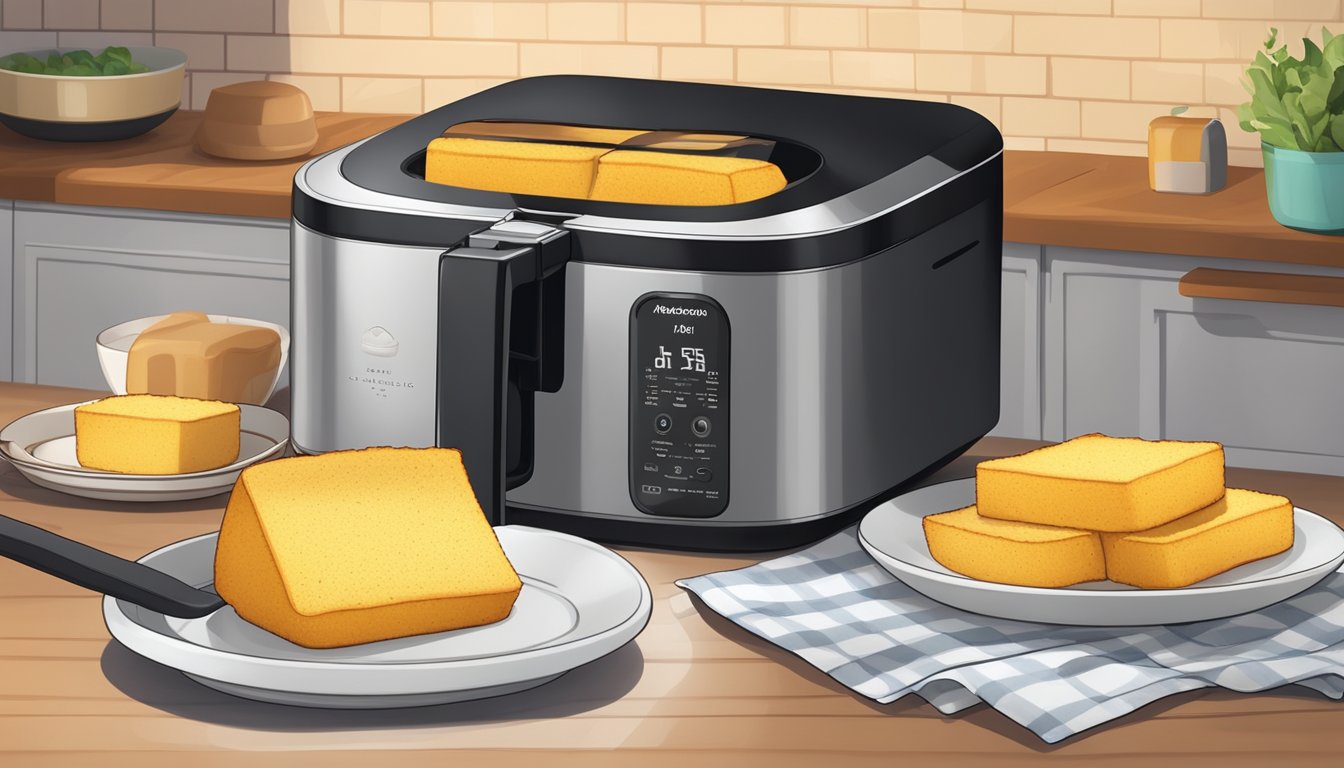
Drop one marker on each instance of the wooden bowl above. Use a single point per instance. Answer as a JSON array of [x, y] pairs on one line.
[[257, 120]]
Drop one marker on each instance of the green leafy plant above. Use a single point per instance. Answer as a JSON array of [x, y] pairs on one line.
[[114, 60], [1297, 103]]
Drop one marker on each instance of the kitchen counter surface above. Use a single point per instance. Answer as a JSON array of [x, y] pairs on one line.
[[163, 170], [693, 689], [1052, 198]]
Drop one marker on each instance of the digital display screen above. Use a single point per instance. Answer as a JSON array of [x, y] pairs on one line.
[[691, 359], [679, 405]]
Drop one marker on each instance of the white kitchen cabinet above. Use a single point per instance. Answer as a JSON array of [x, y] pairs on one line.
[[78, 270], [1127, 354], [6, 290], [1020, 348]]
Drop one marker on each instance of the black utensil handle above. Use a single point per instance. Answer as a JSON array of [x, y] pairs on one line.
[[102, 572]]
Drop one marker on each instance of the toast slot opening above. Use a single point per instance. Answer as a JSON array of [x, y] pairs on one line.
[[611, 164]]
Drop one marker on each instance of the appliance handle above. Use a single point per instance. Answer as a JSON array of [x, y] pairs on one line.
[[1276, 287], [477, 287]]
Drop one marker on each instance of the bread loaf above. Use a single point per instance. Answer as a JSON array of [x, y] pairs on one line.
[[674, 178], [522, 167], [1101, 483], [156, 435], [187, 355], [358, 546], [1240, 527], [1013, 553]]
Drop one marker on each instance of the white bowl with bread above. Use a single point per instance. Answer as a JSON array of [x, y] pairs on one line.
[[114, 347]]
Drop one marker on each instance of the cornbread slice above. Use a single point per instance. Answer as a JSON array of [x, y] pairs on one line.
[[1234, 530], [531, 168], [156, 434], [1101, 483], [543, 131], [357, 546], [670, 178], [1013, 553], [187, 355]]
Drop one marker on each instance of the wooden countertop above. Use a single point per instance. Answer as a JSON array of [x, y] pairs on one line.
[[163, 170], [1053, 198], [692, 689], [1103, 201]]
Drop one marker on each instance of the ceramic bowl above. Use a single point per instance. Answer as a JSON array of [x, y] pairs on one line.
[[114, 345], [96, 108]]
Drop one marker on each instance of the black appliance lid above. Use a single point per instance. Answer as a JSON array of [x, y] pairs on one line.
[[843, 142]]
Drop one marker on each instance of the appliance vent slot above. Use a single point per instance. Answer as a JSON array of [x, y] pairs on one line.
[[939, 264]]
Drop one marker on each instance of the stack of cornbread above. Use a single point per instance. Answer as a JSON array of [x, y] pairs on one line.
[[1150, 514], [613, 165]]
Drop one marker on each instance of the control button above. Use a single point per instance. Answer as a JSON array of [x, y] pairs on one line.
[[662, 423], [704, 475], [650, 467], [652, 490], [700, 426]]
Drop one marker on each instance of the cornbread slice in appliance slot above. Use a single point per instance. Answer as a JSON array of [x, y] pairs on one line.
[[521, 167], [552, 132], [1007, 552], [352, 547], [676, 178], [1102, 483], [1239, 528], [156, 434]]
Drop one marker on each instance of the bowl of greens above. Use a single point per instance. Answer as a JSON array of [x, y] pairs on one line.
[[65, 94]]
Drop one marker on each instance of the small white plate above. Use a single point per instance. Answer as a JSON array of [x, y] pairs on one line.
[[114, 345], [893, 534], [579, 602], [41, 446]]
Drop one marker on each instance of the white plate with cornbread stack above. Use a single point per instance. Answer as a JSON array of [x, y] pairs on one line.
[[191, 424], [1103, 531], [43, 447]]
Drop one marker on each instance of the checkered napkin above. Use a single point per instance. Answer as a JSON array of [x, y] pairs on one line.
[[835, 607]]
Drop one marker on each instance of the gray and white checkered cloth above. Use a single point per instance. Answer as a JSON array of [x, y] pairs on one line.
[[834, 606]]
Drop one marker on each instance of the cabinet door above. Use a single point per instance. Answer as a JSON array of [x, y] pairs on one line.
[[80, 270], [6, 290], [1137, 357], [1020, 361]]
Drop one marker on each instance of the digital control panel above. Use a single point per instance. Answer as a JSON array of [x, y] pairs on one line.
[[679, 353]]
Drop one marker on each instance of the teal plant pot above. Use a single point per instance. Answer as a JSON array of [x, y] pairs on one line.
[[1306, 189]]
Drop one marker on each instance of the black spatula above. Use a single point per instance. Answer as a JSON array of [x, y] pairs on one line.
[[97, 570]]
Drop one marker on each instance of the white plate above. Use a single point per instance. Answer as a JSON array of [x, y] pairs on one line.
[[579, 602], [41, 445], [114, 345], [893, 534]]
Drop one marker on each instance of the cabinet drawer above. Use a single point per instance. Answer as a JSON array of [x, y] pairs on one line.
[[1262, 377]]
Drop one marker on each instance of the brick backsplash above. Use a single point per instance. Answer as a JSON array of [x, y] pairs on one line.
[[1057, 75]]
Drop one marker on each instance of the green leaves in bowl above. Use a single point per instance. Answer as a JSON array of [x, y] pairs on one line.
[[1297, 103], [114, 60]]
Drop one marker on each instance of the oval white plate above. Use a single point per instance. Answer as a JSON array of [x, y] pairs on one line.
[[580, 601], [893, 534], [114, 344], [41, 446]]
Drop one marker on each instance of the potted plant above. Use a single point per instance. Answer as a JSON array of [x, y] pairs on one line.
[[1297, 106]]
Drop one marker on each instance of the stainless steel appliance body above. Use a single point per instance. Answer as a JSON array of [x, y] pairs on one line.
[[740, 383]]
